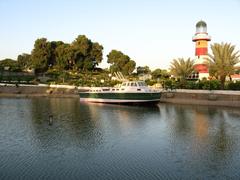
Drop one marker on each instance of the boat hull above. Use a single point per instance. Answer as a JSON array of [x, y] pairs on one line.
[[120, 97]]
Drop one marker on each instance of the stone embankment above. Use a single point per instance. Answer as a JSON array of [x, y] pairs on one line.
[[202, 97], [10, 90]]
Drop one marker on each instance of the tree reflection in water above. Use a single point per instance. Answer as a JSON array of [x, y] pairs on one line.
[[73, 125]]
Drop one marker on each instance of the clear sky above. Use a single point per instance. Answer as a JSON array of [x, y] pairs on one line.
[[151, 32]]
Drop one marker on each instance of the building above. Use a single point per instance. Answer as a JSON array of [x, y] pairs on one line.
[[201, 39]]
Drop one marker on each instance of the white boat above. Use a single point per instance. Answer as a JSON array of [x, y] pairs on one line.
[[127, 92]]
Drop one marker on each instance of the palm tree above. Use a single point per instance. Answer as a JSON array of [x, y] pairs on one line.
[[181, 68], [222, 61]]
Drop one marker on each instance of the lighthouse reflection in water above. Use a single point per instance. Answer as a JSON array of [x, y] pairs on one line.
[[100, 141]]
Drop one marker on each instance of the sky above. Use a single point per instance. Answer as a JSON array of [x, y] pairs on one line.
[[150, 32]]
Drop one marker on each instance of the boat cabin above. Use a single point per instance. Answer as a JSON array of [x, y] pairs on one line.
[[129, 86]]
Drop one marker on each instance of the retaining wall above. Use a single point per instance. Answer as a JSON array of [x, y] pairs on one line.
[[202, 97], [23, 90]]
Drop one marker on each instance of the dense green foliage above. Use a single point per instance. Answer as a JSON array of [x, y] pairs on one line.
[[143, 70], [158, 74], [75, 63], [10, 65], [222, 61], [233, 85], [81, 54], [24, 61], [202, 84], [85, 53], [41, 55], [120, 62]]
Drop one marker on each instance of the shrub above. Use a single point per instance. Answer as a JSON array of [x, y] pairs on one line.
[[169, 84], [191, 85], [150, 82], [209, 85], [233, 85]]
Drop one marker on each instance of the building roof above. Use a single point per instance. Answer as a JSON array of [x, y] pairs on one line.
[[235, 76]]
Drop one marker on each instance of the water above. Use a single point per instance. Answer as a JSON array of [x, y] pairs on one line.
[[96, 141]]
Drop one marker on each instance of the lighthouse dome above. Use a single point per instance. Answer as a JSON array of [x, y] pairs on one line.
[[201, 27], [201, 24]]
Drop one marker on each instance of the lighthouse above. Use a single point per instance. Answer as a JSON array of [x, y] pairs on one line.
[[201, 39]]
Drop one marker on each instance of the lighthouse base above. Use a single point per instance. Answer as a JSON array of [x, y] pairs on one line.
[[203, 76]]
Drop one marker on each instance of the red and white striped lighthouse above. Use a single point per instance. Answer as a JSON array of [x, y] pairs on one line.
[[201, 39]]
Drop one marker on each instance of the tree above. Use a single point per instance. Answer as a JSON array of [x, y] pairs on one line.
[[9, 64], [64, 55], [160, 74], [96, 53], [222, 61], [87, 54], [24, 61], [181, 68], [41, 55], [120, 62], [143, 70], [129, 67], [54, 45]]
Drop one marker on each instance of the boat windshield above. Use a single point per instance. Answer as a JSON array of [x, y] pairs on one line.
[[141, 84], [134, 84]]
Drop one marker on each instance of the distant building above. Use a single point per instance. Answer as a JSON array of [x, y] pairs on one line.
[[235, 77]]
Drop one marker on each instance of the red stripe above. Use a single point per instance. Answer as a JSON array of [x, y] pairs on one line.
[[198, 39], [201, 68], [201, 51]]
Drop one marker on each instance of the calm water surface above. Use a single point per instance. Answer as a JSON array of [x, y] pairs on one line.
[[96, 141]]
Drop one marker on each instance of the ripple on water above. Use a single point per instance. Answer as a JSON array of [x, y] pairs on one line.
[[89, 141]]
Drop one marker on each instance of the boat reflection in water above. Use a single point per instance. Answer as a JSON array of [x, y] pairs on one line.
[[124, 115]]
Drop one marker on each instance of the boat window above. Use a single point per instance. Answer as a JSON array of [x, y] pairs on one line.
[[117, 89], [122, 89], [133, 84], [105, 89], [124, 84], [141, 84], [113, 89]]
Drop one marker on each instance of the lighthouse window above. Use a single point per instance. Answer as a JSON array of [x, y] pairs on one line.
[[199, 43]]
